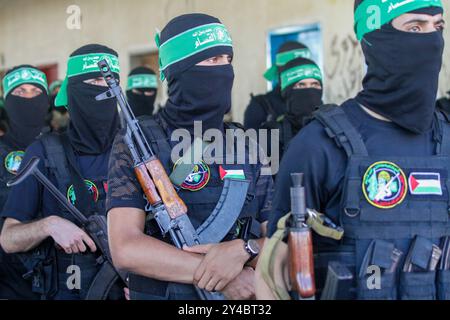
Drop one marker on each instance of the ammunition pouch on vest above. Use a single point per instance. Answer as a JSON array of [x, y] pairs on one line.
[[384, 238]]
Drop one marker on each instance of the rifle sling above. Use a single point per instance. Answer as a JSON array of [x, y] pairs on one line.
[[103, 282]]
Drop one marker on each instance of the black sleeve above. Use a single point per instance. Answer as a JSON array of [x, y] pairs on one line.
[[255, 115], [313, 153]]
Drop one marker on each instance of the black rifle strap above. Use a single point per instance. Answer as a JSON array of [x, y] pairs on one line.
[[84, 201], [103, 282]]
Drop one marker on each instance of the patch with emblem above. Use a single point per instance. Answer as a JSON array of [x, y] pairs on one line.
[[92, 188], [13, 161], [425, 184], [385, 185], [198, 178]]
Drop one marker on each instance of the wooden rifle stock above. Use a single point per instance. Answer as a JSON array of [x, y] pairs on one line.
[[301, 262], [174, 205], [158, 188], [301, 258], [147, 185]]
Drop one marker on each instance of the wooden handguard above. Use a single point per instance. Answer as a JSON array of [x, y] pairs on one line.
[[301, 262], [147, 185], [174, 205]]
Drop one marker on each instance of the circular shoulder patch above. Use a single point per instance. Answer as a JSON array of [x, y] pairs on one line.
[[198, 178], [13, 161], [385, 185], [92, 188]]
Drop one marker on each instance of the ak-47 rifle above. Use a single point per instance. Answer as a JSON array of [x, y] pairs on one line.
[[94, 225], [301, 258], [169, 210]]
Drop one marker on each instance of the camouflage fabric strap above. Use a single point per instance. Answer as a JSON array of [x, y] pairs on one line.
[[317, 221], [267, 261]]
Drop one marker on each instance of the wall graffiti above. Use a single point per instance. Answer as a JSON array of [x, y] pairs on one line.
[[344, 69], [444, 81]]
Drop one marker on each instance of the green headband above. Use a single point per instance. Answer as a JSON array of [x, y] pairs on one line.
[[142, 81], [21, 76], [191, 42], [373, 14], [84, 64], [299, 73], [283, 58]]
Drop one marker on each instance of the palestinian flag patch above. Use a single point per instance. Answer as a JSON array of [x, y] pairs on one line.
[[424, 184], [231, 174]]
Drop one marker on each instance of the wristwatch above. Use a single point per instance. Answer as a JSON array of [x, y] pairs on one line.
[[253, 249]]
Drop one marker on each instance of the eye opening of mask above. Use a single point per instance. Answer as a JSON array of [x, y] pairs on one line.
[[308, 84], [419, 21], [218, 60], [28, 91], [98, 81], [144, 92]]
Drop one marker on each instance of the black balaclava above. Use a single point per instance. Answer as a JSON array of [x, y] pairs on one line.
[[301, 103], [403, 73], [93, 124], [140, 103], [26, 117], [197, 93]]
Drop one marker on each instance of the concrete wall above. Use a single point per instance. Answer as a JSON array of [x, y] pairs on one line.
[[35, 32]]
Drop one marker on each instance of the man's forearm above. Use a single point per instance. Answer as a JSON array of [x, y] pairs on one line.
[[19, 237], [152, 258], [134, 251]]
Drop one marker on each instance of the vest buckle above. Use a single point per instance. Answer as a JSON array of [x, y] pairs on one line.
[[352, 212]]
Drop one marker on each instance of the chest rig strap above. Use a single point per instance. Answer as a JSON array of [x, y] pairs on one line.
[[56, 161], [442, 134], [339, 128]]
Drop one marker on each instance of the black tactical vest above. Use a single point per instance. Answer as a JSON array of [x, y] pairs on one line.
[[57, 165], [200, 205], [393, 210]]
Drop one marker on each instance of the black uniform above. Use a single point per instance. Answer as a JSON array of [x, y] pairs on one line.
[[384, 181]]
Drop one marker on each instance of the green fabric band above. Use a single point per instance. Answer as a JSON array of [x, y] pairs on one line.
[[84, 64], [142, 81], [300, 73], [282, 59], [373, 14], [191, 42], [285, 57], [88, 63], [23, 76]]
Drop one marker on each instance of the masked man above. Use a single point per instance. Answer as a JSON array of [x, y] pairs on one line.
[[268, 107], [378, 165], [200, 81], [142, 89], [26, 105], [76, 162], [301, 85]]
